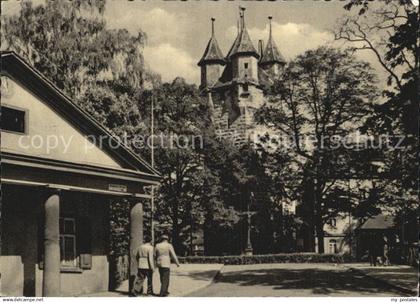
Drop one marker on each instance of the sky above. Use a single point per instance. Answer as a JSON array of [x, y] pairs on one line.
[[178, 31]]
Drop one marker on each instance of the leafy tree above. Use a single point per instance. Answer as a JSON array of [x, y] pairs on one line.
[[323, 94], [390, 31], [102, 70], [242, 184], [282, 177], [181, 116], [221, 218]]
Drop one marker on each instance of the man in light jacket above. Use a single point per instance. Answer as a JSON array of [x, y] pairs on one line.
[[144, 254], [164, 253]]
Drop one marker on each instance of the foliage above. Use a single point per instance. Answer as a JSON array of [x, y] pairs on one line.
[[269, 258], [207, 182], [390, 31], [180, 118], [102, 70], [205, 186], [323, 94]]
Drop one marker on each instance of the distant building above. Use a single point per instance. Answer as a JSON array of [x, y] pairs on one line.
[[57, 186], [233, 83], [373, 232], [338, 235]]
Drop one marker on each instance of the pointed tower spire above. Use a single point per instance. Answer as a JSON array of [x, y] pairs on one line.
[[242, 43], [212, 54], [271, 53], [242, 16], [239, 26]]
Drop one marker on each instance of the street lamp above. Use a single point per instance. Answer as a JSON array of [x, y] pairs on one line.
[[149, 86], [152, 157], [249, 250]]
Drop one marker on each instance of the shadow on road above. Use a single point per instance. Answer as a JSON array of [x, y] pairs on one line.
[[196, 275], [320, 282]]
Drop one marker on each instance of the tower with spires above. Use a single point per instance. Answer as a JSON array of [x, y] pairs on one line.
[[234, 84]]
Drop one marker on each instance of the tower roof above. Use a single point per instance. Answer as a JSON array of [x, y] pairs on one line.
[[242, 43], [271, 53], [212, 54]]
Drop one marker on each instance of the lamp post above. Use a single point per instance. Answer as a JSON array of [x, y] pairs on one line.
[[149, 86], [152, 156], [249, 250]]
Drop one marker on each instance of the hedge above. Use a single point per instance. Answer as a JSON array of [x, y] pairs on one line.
[[268, 258]]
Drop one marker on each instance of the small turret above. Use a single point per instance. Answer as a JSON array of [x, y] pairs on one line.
[[243, 56], [272, 60], [211, 62]]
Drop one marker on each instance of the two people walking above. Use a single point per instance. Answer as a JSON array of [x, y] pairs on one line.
[[147, 257], [378, 251]]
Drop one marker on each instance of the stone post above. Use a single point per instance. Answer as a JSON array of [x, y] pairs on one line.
[[136, 238], [51, 277]]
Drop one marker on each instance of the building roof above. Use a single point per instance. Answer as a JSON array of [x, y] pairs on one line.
[[271, 53], [18, 69], [212, 54], [379, 222], [242, 43]]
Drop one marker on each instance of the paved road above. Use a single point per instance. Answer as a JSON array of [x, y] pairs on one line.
[[288, 280]]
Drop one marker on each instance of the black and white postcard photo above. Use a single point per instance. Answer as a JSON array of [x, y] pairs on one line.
[[209, 148]]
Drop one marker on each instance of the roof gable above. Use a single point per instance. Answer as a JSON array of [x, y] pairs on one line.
[[21, 72], [379, 222]]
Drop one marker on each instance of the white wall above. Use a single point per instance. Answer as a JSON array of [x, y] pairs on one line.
[[45, 125], [11, 281]]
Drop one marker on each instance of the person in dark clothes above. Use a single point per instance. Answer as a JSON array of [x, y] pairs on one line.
[[372, 252]]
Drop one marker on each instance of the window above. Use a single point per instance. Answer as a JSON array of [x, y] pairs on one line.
[[12, 119], [68, 255], [245, 87], [332, 222], [246, 65], [333, 246]]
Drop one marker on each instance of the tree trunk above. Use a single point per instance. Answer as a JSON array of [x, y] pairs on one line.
[[320, 235], [175, 226], [319, 225], [191, 235], [175, 237]]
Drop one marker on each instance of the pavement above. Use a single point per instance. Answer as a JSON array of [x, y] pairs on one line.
[[184, 280], [401, 277], [295, 280], [285, 280]]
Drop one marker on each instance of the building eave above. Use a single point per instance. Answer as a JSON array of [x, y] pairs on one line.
[[17, 69]]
